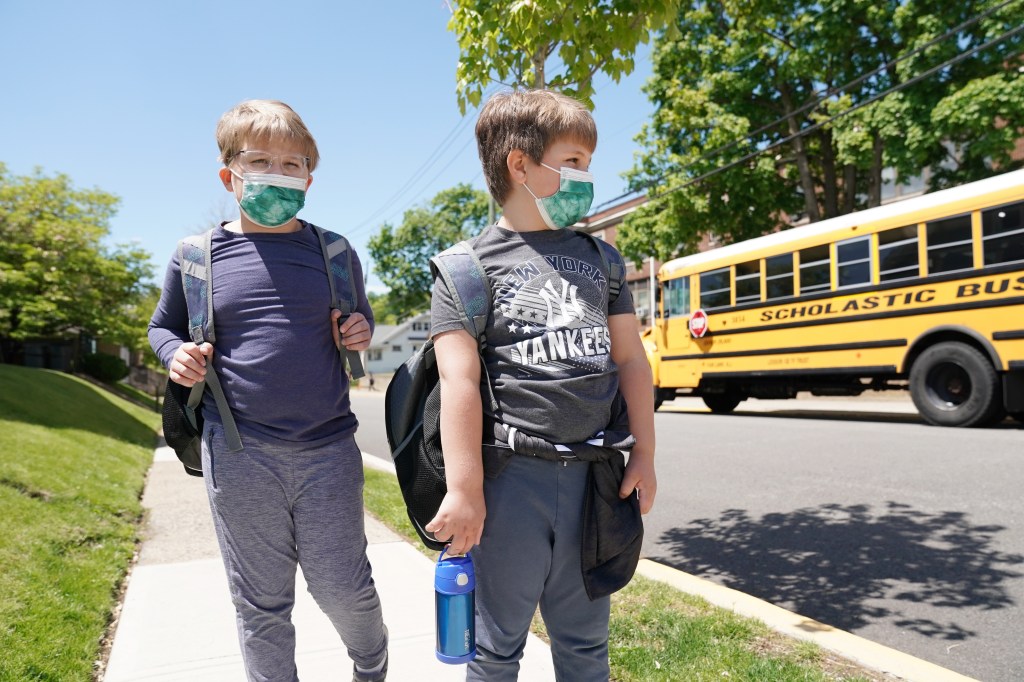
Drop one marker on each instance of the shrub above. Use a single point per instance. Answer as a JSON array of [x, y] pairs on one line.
[[106, 368]]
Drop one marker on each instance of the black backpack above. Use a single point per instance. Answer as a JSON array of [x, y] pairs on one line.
[[182, 414], [412, 404]]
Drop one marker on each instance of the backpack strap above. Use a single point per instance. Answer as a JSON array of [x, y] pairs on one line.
[[338, 262], [464, 275], [197, 282], [614, 268]]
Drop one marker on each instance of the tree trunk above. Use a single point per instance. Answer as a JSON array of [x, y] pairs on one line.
[[830, 181], [538, 59], [875, 180], [802, 164], [849, 188]]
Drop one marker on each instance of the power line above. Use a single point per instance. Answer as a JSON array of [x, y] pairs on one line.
[[824, 94], [949, 62]]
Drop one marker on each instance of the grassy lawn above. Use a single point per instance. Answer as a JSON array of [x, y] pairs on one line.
[[73, 460], [660, 633]]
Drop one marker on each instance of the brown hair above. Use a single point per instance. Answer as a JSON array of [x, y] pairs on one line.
[[528, 120], [258, 120]]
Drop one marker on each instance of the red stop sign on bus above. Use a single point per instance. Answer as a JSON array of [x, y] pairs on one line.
[[698, 323]]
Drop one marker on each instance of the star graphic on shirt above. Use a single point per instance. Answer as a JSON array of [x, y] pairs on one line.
[[521, 311], [533, 313], [527, 329], [512, 327]]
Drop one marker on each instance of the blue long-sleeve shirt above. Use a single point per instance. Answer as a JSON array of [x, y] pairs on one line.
[[274, 352]]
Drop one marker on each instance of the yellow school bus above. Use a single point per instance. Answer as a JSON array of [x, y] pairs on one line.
[[926, 294]]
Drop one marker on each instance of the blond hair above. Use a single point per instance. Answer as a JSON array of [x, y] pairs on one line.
[[263, 120], [528, 120]]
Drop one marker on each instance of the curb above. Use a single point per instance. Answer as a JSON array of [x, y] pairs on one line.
[[850, 646]]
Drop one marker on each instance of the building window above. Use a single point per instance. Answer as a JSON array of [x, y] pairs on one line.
[[748, 282], [897, 254], [814, 273], [778, 272], [950, 246], [715, 291], [677, 297], [396, 348], [375, 355], [853, 260], [1002, 234]]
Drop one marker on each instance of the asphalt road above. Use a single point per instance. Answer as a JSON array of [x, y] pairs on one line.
[[851, 512]]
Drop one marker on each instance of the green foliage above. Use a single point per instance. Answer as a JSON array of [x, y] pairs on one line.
[[511, 42], [768, 70], [55, 273], [73, 460], [383, 311], [401, 255], [104, 367]]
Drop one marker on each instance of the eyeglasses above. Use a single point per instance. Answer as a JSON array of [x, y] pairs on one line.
[[252, 161]]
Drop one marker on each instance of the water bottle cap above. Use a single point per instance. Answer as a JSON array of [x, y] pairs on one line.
[[454, 575], [461, 579]]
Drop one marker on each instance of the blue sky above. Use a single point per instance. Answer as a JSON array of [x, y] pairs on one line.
[[124, 97]]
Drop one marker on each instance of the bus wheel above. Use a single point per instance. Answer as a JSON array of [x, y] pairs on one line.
[[953, 384], [659, 398], [1019, 416], [721, 403]]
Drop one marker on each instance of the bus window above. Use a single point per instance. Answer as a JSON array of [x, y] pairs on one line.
[[714, 289], [1002, 232], [748, 282], [949, 245], [853, 259], [814, 274], [677, 297], [778, 272], [897, 253]]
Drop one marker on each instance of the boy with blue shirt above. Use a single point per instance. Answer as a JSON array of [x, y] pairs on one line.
[[561, 354], [293, 495]]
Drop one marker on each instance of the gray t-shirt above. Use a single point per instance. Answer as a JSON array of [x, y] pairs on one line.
[[548, 347]]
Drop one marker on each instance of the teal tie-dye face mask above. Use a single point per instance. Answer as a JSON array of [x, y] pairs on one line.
[[271, 200], [572, 200]]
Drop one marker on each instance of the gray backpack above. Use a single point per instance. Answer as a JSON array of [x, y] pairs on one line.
[[182, 416]]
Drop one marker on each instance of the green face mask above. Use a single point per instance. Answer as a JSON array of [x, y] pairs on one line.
[[271, 200], [572, 200]]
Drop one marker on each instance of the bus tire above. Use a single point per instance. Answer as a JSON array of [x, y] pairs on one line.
[[953, 384], [721, 403], [1019, 416], [659, 398]]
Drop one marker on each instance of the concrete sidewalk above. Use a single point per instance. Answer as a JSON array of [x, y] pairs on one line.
[[177, 622]]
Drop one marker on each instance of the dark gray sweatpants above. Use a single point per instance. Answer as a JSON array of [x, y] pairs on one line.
[[530, 554], [277, 507]]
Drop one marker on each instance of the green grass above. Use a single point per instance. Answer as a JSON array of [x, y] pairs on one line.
[[135, 394], [73, 460], [660, 633]]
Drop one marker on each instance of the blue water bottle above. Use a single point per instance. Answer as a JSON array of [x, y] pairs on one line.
[[454, 608]]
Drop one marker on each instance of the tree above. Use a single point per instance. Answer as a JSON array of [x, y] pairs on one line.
[[795, 100], [56, 276], [512, 41], [401, 254]]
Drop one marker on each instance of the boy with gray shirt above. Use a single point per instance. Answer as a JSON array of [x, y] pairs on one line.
[[558, 355], [293, 495]]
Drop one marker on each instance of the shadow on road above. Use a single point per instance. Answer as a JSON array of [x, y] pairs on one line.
[[829, 415], [840, 564]]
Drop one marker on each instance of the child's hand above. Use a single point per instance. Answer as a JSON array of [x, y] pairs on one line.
[[188, 366], [640, 478], [459, 521], [354, 330]]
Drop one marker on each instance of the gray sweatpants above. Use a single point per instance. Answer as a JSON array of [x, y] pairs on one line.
[[277, 507], [530, 554]]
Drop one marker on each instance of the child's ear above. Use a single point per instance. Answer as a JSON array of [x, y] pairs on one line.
[[516, 162], [309, 181], [225, 177]]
